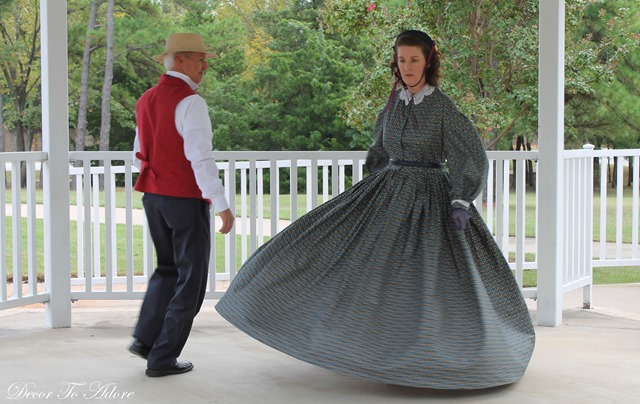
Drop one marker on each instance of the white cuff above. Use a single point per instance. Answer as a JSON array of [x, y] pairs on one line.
[[461, 202]]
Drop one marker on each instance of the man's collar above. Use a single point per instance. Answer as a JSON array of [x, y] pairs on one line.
[[183, 77]]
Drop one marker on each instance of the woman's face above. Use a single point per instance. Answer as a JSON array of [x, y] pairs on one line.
[[412, 63]]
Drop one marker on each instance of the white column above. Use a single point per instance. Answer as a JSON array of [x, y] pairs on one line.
[[550, 167], [55, 142]]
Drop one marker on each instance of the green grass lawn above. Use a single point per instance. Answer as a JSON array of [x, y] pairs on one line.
[[601, 276]]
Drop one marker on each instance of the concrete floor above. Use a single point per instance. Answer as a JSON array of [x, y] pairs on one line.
[[594, 357]]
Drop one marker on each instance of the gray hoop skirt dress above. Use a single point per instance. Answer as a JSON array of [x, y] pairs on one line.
[[377, 282]]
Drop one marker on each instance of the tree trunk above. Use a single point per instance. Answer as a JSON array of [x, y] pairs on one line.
[[1, 123], [19, 144], [530, 180], [105, 124], [81, 130], [614, 173], [520, 145], [2, 149], [596, 174]]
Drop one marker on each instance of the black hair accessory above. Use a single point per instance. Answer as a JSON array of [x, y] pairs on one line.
[[414, 32]]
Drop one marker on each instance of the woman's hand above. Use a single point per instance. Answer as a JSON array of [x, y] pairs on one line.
[[460, 218]]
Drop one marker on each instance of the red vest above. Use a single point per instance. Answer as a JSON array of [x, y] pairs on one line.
[[164, 168]]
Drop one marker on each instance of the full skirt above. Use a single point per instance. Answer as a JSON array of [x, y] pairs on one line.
[[377, 283]]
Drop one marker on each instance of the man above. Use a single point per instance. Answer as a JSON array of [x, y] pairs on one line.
[[179, 179]]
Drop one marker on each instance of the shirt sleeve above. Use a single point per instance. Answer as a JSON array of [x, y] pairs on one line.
[[377, 156], [466, 158], [136, 148], [194, 125]]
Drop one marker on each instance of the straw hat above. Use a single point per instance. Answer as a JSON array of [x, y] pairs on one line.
[[184, 42]]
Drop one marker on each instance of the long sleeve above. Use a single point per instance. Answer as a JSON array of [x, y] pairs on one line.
[[466, 158], [377, 157], [194, 125], [136, 149]]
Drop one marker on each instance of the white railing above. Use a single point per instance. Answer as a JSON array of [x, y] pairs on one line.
[[20, 263], [98, 221], [578, 223], [97, 271], [624, 250], [507, 171], [114, 255]]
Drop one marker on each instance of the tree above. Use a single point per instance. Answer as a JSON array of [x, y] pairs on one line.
[[138, 31], [489, 53], [608, 115], [105, 126], [291, 94], [1, 120], [601, 40], [81, 129], [257, 37], [19, 60]]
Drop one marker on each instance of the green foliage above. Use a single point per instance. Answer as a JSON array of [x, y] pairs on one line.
[[604, 110], [312, 75], [20, 65], [489, 54], [293, 98]]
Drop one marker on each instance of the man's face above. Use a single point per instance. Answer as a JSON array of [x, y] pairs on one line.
[[193, 64]]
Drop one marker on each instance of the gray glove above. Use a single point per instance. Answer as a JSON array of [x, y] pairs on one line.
[[460, 218]]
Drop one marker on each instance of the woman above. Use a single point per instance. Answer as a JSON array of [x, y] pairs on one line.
[[397, 279]]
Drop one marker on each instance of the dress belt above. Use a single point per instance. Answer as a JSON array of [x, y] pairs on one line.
[[426, 164]]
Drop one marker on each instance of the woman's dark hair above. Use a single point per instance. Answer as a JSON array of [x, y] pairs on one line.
[[429, 50]]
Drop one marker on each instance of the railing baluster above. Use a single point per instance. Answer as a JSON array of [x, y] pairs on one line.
[[604, 170], [520, 220], [293, 189], [88, 240], [109, 230], [16, 229], [490, 198], [635, 206], [3, 236], [129, 223], [619, 206], [32, 257], [260, 199], [274, 176], [230, 238], [243, 213]]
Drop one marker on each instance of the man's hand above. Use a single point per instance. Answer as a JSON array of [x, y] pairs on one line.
[[227, 221]]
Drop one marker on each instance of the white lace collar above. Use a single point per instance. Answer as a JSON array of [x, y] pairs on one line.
[[406, 95]]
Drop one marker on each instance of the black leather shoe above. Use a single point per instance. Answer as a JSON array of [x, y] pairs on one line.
[[139, 348], [179, 367]]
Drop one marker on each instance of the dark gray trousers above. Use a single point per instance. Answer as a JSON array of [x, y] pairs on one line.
[[181, 233]]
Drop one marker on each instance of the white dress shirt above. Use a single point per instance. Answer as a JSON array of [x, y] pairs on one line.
[[194, 125]]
